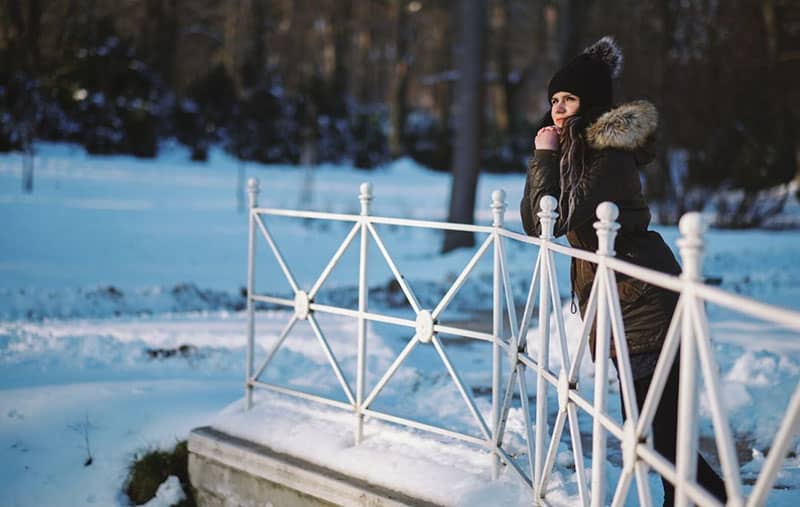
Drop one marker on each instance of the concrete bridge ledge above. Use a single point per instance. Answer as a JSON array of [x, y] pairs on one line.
[[228, 471]]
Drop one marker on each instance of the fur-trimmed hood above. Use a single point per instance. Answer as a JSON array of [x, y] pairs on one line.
[[628, 126]]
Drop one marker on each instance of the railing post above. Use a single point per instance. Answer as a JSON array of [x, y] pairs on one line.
[[547, 218], [692, 227], [252, 194], [498, 212], [690, 244], [606, 228], [365, 196]]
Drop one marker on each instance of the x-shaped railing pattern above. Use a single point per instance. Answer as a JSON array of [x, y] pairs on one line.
[[688, 332]]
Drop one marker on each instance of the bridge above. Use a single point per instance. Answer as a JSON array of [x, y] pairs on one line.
[[535, 370]]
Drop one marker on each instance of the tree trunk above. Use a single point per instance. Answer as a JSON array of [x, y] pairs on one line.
[[27, 165], [469, 119], [255, 60], [658, 179], [399, 87], [444, 86], [573, 18], [32, 34], [160, 36], [504, 113], [342, 22], [17, 25]]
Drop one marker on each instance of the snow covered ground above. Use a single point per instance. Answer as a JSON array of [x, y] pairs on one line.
[[121, 320]]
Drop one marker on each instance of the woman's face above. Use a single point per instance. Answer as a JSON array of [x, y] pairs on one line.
[[563, 105]]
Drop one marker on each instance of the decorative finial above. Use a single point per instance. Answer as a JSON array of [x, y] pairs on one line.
[[692, 227], [252, 192], [365, 197], [498, 207], [547, 216], [606, 227]]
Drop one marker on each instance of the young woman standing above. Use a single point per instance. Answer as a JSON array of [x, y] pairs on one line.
[[589, 151]]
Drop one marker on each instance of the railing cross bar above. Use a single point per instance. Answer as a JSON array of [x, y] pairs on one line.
[[586, 328], [510, 306], [461, 278], [621, 348], [390, 372], [723, 434], [277, 252], [276, 346], [555, 438], [788, 429], [334, 260], [331, 358], [411, 423], [529, 304], [506, 403], [562, 335], [623, 486], [461, 389], [663, 366], [412, 299], [526, 412], [514, 466], [577, 453]]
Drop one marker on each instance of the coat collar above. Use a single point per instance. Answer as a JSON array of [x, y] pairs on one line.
[[626, 127]]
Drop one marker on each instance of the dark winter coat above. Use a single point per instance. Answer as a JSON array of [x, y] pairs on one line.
[[618, 145]]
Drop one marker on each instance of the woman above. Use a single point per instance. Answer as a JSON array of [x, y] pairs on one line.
[[588, 152]]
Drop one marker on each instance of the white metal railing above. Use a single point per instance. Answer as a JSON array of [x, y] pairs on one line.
[[688, 331]]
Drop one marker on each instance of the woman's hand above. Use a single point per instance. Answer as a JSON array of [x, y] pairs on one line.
[[547, 138]]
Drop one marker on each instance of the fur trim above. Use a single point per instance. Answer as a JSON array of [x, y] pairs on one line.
[[607, 51], [625, 127]]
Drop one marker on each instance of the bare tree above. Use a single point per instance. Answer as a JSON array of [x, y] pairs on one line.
[[469, 120], [574, 19], [159, 36], [399, 86]]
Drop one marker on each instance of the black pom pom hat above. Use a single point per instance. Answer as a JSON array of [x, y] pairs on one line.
[[589, 74]]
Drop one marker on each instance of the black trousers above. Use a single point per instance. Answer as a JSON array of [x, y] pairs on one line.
[[665, 428]]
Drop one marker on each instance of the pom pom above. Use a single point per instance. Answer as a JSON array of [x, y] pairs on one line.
[[607, 51]]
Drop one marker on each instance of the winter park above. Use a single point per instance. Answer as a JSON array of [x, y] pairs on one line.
[[431, 252]]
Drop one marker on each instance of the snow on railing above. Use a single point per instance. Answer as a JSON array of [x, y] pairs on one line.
[[688, 332]]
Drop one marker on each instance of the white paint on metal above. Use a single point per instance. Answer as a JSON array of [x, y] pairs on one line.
[[365, 197], [688, 331], [277, 346], [252, 194], [391, 371], [424, 326], [462, 389], [547, 216], [301, 305], [401, 280], [437, 430], [498, 207], [448, 297], [629, 443], [331, 359], [334, 260], [497, 333], [563, 391]]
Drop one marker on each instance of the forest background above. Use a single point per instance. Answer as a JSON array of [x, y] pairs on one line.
[[458, 85]]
